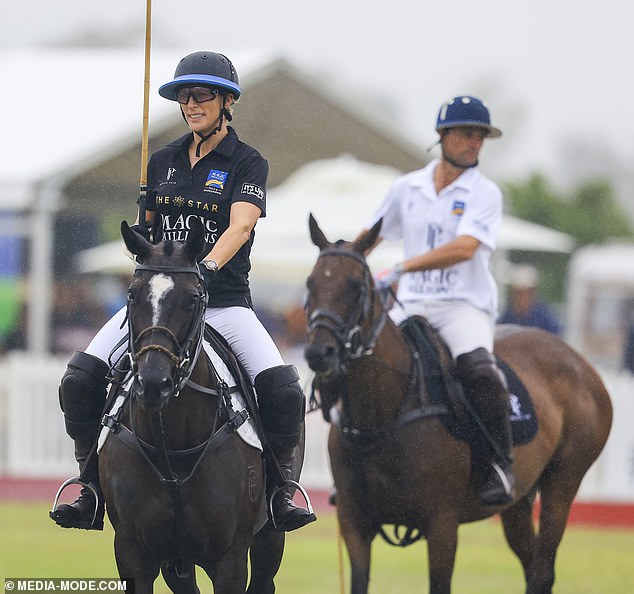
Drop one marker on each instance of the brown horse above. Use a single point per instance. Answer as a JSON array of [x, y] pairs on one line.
[[395, 463], [181, 488]]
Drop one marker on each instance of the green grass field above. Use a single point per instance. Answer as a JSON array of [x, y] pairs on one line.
[[590, 561]]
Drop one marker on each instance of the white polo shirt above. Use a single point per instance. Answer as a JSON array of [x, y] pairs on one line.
[[424, 220]]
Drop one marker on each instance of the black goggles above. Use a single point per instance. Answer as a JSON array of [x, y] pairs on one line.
[[199, 94]]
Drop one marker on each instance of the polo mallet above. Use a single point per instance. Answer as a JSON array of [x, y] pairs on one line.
[[146, 110]]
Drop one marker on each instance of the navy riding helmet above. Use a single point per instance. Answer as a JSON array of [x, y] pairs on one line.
[[464, 110], [203, 68]]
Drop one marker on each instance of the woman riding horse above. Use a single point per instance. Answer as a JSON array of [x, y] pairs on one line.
[[208, 174]]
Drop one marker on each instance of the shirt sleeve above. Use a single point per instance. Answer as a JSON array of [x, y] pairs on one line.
[[483, 215], [152, 183], [252, 173]]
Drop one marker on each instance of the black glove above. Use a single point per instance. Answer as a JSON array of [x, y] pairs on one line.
[[142, 230]]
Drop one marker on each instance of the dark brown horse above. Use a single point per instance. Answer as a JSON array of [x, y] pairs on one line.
[[395, 465], [181, 488]]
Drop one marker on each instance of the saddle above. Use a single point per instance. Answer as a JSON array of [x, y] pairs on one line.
[[444, 388]]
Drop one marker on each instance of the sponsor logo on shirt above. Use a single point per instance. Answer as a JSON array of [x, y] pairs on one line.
[[216, 181], [253, 190], [169, 177], [458, 208]]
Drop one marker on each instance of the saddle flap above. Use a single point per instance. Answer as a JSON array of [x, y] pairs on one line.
[[444, 388]]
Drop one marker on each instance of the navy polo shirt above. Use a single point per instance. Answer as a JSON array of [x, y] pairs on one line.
[[176, 192]]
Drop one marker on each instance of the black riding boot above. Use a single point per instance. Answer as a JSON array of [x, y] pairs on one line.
[[486, 388], [85, 512], [286, 515], [282, 406], [82, 395]]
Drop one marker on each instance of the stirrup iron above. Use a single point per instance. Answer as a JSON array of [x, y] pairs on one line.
[[76, 480], [284, 485]]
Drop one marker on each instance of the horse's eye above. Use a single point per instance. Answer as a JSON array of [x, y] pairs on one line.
[[131, 296], [355, 286]]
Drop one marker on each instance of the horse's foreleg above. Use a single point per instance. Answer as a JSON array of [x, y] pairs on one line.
[[133, 563], [229, 574], [520, 531], [266, 557], [358, 539], [442, 542]]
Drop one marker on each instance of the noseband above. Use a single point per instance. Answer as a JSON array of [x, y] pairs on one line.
[[350, 335], [185, 354]]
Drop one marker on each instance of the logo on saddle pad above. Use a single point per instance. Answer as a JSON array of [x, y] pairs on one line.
[[516, 409]]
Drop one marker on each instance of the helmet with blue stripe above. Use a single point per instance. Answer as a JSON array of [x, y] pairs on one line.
[[203, 69], [464, 110]]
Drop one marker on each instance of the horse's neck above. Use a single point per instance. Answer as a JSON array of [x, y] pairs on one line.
[[380, 379]]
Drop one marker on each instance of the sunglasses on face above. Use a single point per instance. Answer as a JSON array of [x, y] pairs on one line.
[[199, 94]]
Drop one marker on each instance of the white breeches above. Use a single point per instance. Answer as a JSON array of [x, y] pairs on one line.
[[463, 327], [240, 327]]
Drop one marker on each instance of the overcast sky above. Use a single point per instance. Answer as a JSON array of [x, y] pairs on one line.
[[556, 74]]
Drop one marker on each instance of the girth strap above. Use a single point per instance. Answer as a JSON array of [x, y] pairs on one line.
[[372, 436]]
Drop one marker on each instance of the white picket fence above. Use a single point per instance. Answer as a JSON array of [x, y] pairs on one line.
[[33, 442]]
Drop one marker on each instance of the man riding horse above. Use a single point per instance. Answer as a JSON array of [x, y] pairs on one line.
[[208, 174], [448, 215]]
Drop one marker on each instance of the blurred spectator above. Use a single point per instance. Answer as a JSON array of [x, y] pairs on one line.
[[628, 350], [524, 307], [76, 316]]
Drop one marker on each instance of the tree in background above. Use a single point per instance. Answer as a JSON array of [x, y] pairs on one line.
[[590, 214]]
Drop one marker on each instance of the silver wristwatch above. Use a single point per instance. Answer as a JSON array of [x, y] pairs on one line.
[[211, 265]]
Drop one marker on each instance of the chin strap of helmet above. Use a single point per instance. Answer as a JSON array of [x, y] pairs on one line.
[[224, 113]]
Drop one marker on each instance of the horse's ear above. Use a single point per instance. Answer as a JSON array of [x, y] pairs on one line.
[[316, 234], [196, 246], [135, 242], [368, 239]]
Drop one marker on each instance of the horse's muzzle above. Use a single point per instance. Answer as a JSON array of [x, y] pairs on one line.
[[322, 357], [152, 394]]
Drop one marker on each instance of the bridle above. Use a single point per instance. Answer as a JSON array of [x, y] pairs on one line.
[[353, 341], [186, 353]]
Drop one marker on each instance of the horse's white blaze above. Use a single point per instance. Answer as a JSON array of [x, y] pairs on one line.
[[160, 285]]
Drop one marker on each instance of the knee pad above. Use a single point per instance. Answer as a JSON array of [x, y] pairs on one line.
[[82, 395], [281, 402]]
